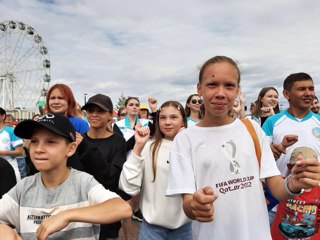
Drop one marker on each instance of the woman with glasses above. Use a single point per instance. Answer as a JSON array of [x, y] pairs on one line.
[[193, 109], [122, 113]]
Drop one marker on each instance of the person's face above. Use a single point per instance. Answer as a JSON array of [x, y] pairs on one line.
[[143, 113], [170, 122], [133, 107], [315, 107], [195, 103], [270, 99], [97, 117], [49, 151], [122, 114], [57, 102], [9, 121], [301, 95], [219, 89]]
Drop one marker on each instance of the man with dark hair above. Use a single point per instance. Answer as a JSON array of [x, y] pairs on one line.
[[295, 128], [295, 77], [11, 146]]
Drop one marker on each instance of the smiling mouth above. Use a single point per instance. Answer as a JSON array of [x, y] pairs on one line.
[[219, 104], [40, 159]]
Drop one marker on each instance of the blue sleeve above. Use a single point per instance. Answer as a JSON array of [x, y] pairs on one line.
[[268, 127], [79, 124], [15, 141]]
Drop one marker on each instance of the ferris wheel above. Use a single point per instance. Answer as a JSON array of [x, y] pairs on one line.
[[24, 66]]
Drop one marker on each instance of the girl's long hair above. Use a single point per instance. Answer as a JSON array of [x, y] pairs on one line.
[[158, 136], [257, 109]]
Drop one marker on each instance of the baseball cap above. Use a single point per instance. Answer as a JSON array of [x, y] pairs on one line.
[[54, 122], [144, 106], [305, 152], [100, 100]]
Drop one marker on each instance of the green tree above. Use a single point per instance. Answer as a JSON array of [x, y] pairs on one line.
[[121, 101]]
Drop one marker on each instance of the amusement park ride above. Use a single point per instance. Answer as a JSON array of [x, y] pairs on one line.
[[24, 69]]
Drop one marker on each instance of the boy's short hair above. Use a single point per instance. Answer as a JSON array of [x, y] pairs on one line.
[[295, 77], [54, 122], [2, 111]]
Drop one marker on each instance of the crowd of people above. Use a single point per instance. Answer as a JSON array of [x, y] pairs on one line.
[[194, 171]]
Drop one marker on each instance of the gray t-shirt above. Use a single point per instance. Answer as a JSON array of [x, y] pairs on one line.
[[29, 202]]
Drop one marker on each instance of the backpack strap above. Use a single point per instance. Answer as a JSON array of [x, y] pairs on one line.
[[270, 200], [254, 137]]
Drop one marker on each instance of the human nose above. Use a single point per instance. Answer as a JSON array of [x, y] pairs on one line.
[[309, 92], [220, 91], [94, 113], [168, 121], [38, 147]]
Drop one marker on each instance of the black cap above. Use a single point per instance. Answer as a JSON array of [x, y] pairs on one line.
[[100, 100], [54, 122]]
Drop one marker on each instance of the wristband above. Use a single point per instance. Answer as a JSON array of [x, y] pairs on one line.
[[289, 192]]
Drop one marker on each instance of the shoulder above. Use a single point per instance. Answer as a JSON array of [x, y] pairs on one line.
[[8, 129], [77, 120], [118, 137], [82, 180], [25, 186], [144, 122], [316, 116], [120, 123], [10, 132], [274, 118], [80, 175], [79, 124]]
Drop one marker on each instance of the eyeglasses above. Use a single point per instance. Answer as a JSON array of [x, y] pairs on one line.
[[194, 101]]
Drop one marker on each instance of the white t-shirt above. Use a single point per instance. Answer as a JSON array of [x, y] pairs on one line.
[[307, 129], [137, 176], [224, 158]]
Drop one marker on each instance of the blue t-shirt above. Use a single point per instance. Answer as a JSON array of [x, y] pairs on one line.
[[79, 124]]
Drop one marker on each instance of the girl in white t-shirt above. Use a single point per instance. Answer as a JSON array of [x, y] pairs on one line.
[[146, 172]]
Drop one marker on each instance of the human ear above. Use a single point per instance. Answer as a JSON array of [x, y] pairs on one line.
[[286, 94], [71, 149], [199, 90]]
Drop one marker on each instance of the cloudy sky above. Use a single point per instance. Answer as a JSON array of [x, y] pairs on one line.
[[154, 48]]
